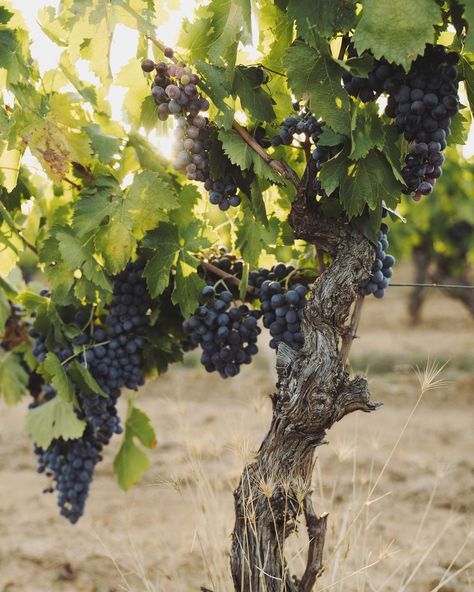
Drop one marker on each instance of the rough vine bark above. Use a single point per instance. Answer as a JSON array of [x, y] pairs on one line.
[[313, 392]]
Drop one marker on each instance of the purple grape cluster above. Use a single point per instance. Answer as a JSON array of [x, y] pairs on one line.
[[382, 269], [423, 104], [223, 193], [111, 349], [227, 335], [379, 80], [175, 89], [282, 312], [303, 123]]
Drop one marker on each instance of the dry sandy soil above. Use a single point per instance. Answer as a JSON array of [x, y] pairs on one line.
[[171, 533]]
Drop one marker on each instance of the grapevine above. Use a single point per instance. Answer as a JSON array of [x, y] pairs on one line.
[[307, 131]]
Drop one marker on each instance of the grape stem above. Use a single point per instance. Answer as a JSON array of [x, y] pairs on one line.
[[279, 166], [226, 276], [351, 332]]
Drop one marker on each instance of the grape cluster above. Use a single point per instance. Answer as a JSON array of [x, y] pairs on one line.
[[305, 123], [229, 264], [227, 335], [278, 272], [175, 91], [111, 349], [423, 105], [282, 312], [381, 269], [223, 193], [302, 123], [380, 79], [175, 88], [71, 465]]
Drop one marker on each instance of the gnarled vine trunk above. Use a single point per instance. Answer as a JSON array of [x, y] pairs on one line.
[[314, 392]]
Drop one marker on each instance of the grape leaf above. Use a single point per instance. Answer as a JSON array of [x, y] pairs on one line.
[[54, 372], [146, 201], [367, 130], [5, 310], [252, 237], [13, 378], [460, 126], [84, 379], [231, 23], [333, 171], [330, 138], [115, 243], [313, 70], [165, 240], [467, 73], [242, 155], [401, 37], [131, 462], [188, 284], [106, 147], [327, 18], [53, 419], [368, 181], [253, 98], [469, 16], [238, 151], [215, 84]]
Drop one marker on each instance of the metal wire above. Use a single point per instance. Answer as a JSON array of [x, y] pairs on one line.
[[447, 286]]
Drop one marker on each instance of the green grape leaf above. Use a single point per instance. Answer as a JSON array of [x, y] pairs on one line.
[[330, 138], [214, 83], [242, 155], [326, 18], [84, 379], [106, 147], [147, 199], [54, 372], [53, 419], [253, 98], [334, 170], [131, 463], [367, 130], [13, 378], [231, 23], [460, 126], [314, 71], [115, 243], [165, 241], [238, 151], [252, 237], [5, 310], [5, 15], [400, 37], [188, 284], [71, 249], [469, 16], [467, 73], [368, 181]]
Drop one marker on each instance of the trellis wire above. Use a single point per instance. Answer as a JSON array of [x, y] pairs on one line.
[[447, 286]]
